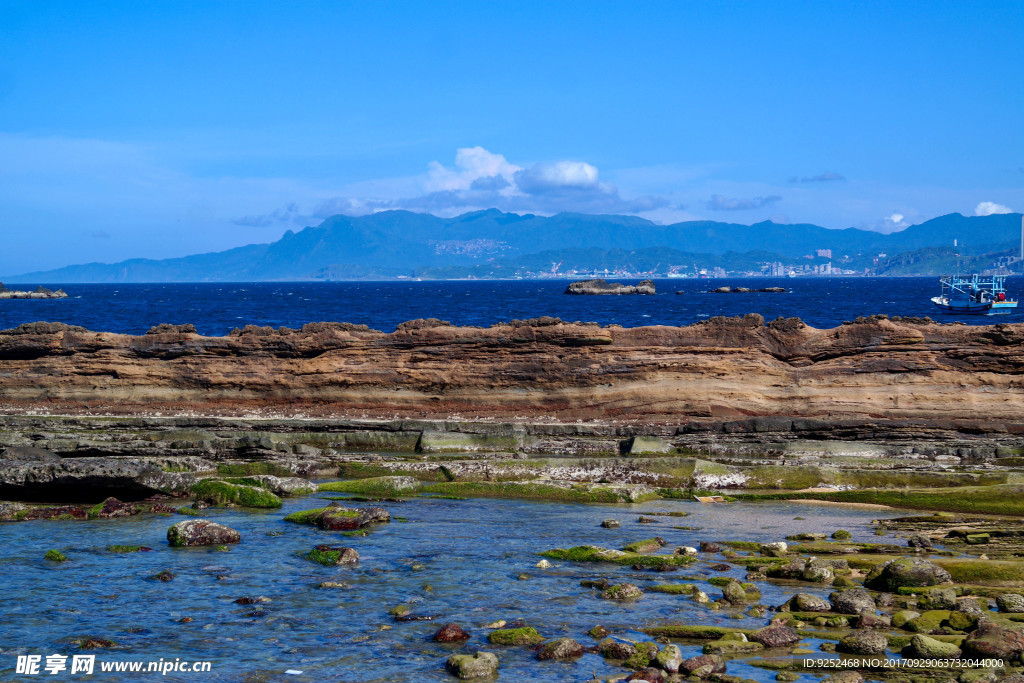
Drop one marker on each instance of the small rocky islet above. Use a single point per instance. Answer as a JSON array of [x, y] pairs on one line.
[[428, 548]]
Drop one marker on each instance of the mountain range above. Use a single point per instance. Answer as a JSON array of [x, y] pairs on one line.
[[393, 244]]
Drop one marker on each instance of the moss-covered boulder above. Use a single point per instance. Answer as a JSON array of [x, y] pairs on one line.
[[478, 665], [216, 492], [731, 647], [338, 518], [669, 658], [929, 621], [384, 487], [905, 571], [194, 532], [331, 556], [733, 593], [55, 556], [937, 598], [622, 591], [593, 553], [526, 635], [112, 508], [929, 648], [648, 545]]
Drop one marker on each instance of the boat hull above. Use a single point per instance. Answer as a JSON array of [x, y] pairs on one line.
[[956, 307]]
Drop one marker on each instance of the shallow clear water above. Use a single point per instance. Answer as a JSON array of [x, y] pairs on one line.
[[216, 308], [471, 552]]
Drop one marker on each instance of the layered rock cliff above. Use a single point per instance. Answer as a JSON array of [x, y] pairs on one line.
[[724, 368]]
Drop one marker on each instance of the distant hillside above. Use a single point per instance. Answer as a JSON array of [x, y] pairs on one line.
[[400, 243]]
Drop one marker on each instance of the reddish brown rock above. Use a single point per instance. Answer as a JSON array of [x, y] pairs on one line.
[[451, 633], [63, 511], [702, 666], [112, 507], [775, 635]]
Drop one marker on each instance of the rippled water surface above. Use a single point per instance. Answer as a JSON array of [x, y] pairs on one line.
[[217, 308], [471, 552]]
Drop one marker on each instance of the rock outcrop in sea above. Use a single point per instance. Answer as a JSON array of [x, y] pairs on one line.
[[603, 287], [38, 293]]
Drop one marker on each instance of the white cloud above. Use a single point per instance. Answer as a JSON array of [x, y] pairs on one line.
[[561, 175], [990, 208], [471, 165]]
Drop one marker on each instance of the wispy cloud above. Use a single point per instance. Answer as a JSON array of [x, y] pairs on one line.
[[720, 203], [826, 177], [990, 208], [287, 214]]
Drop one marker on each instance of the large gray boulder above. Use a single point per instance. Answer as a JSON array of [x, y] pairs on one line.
[[864, 642], [852, 601]]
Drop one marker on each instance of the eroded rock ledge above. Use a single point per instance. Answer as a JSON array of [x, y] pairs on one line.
[[528, 371]]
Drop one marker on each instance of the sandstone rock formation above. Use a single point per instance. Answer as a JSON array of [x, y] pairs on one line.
[[787, 375]]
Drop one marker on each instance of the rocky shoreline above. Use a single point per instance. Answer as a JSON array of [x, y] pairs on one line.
[[905, 414]]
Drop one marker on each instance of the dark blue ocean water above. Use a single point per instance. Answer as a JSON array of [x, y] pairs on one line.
[[216, 308]]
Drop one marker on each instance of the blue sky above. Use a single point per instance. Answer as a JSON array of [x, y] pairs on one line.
[[162, 129]]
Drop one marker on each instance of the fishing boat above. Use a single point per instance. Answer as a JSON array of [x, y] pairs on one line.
[[974, 295]]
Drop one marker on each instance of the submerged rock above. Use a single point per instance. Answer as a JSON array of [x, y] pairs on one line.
[[193, 532], [476, 665]]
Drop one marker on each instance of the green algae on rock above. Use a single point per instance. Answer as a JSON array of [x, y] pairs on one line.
[[593, 553], [384, 487], [528, 490], [526, 635], [331, 556], [55, 556], [337, 518], [217, 492]]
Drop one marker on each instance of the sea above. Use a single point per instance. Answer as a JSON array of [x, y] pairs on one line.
[[216, 308]]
